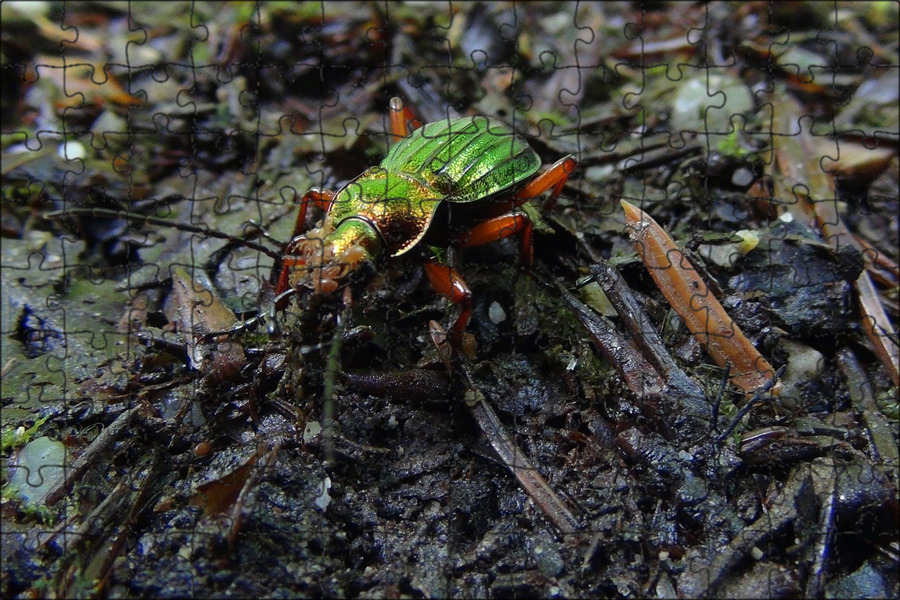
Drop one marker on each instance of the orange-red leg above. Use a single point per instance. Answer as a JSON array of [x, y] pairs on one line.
[[555, 177], [403, 121], [448, 283], [287, 263], [321, 198], [498, 228]]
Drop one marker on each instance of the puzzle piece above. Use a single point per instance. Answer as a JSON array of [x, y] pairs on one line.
[[167, 431]]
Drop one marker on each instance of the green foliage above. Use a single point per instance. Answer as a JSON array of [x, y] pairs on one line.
[[12, 438]]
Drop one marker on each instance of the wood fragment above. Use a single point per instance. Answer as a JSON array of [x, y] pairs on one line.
[[800, 176], [524, 471], [878, 427], [92, 453], [691, 298]]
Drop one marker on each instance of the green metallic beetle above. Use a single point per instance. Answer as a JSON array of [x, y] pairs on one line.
[[477, 165]]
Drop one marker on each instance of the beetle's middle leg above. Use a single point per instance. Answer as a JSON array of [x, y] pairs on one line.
[[504, 223], [500, 227], [449, 283], [555, 177]]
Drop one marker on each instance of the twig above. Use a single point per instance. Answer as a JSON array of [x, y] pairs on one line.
[[510, 454], [531, 480], [332, 367], [639, 375], [515, 459], [90, 454], [242, 499], [878, 428]]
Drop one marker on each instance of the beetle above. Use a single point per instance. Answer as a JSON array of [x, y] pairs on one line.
[[474, 167]]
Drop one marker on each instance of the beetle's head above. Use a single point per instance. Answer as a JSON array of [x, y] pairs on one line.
[[329, 254]]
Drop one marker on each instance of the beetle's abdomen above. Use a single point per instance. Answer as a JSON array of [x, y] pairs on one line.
[[465, 159]]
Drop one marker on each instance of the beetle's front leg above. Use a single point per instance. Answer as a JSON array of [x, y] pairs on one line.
[[321, 198], [287, 264], [292, 259]]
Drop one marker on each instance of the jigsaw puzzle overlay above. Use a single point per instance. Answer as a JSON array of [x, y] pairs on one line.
[[450, 299]]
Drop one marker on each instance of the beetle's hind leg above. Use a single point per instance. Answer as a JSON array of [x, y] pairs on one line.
[[553, 178], [403, 121]]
